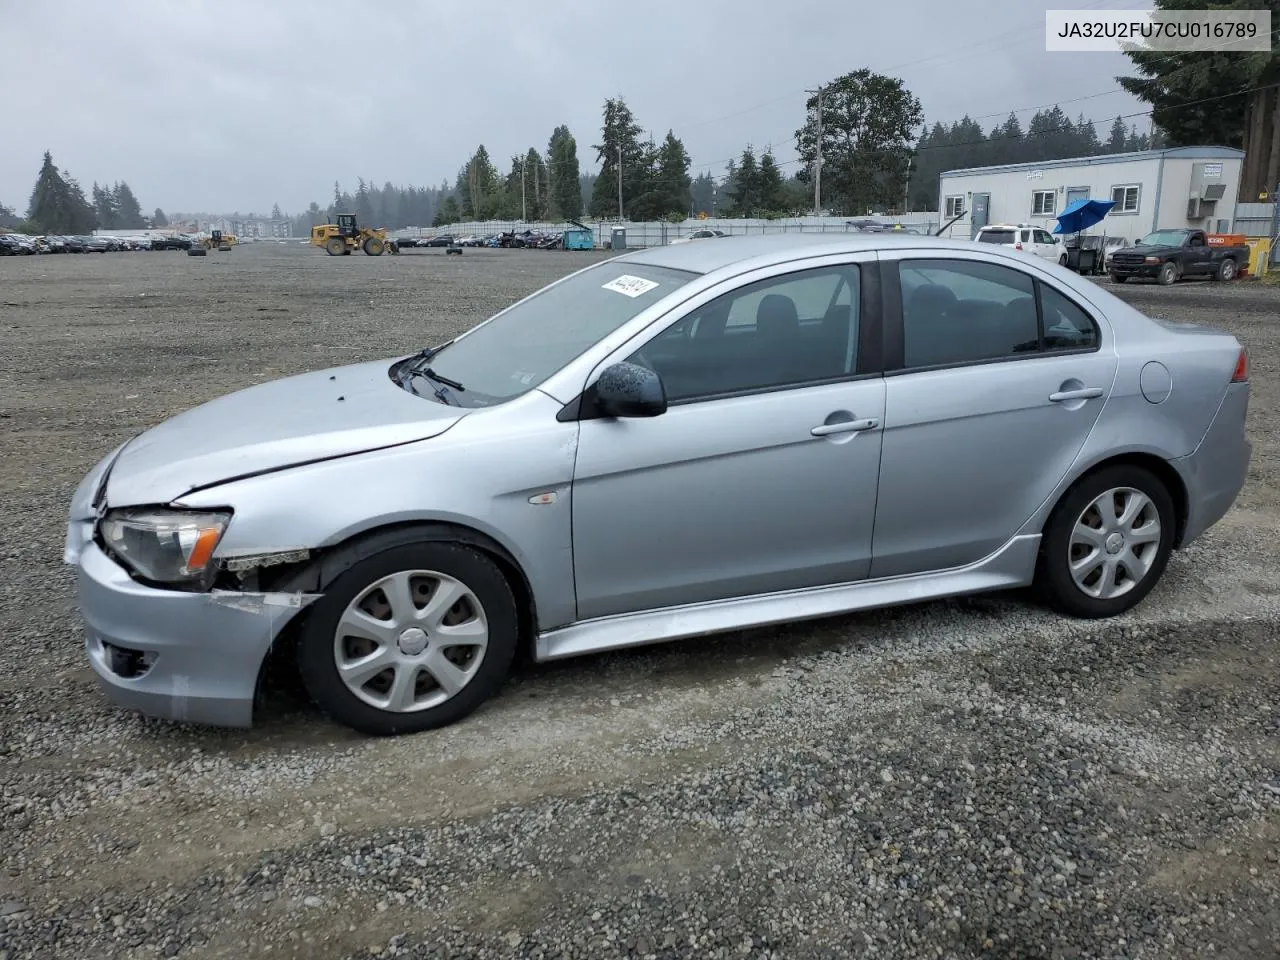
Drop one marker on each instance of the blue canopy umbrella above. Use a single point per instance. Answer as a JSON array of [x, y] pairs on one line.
[[1082, 215]]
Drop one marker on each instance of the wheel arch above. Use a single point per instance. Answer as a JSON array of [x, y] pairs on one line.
[[1155, 464], [315, 574]]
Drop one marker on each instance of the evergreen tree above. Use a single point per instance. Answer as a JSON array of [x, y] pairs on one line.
[[158, 219], [747, 186], [703, 190], [448, 212], [566, 183], [619, 141], [772, 199], [128, 211], [104, 207], [1116, 138], [275, 212], [58, 204]]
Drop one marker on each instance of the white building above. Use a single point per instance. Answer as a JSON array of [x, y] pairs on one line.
[[1152, 189]]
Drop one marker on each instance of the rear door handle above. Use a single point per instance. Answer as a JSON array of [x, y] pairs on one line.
[[1085, 393], [845, 426]]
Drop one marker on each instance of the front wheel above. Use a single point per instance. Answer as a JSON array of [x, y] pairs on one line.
[[1107, 543], [409, 639], [1168, 273], [1118, 278], [373, 247]]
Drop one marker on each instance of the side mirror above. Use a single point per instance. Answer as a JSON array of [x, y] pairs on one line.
[[629, 390]]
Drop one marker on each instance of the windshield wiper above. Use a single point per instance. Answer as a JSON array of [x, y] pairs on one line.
[[416, 366]]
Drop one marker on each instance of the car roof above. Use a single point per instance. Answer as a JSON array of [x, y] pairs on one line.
[[777, 248]]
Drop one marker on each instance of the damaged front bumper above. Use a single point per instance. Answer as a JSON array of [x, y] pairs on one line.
[[192, 657]]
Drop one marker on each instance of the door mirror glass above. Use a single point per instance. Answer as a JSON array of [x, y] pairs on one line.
[[629, 390]]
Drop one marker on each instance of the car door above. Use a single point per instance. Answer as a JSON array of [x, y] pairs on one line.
[[1046, 246], [984, 411], [761, 475]]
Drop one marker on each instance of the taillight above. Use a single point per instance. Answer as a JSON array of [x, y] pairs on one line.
[[1018, 245], [1241, 374]]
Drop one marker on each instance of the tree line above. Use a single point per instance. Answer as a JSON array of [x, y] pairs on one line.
[[58, 206]]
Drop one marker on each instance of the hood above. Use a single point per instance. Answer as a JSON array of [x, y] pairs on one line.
[[311, 416]]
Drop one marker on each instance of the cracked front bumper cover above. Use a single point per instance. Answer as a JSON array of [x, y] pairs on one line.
[[202, 652]]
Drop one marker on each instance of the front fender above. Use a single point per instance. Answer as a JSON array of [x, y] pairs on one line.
[[484, 474]]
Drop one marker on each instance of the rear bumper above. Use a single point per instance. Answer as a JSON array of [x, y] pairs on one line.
[[1216, 471]]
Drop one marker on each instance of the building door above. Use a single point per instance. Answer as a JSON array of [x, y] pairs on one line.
[[978, 213]]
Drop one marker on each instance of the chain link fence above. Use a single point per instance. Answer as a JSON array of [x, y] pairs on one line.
[[660, 232]]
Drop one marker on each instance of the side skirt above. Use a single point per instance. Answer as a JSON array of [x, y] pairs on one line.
[[1013, 565]]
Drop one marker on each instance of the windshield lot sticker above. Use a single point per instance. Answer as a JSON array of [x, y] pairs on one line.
[[630, 286]]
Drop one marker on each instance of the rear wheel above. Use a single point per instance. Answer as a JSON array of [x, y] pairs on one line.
[[373, 247], [411, 638], [335, 247], [1168, 273], [1107, 542], [1226, 270]]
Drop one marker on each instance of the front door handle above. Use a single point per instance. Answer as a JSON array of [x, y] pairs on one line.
[[1085, 393], [845, 426]]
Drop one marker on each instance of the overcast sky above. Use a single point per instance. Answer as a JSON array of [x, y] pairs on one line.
[[239, 104]]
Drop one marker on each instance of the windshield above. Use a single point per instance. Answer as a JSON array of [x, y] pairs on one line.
[[515, 352], [1163, 238]]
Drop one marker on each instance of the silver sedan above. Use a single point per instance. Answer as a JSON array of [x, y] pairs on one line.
[[673, 442]]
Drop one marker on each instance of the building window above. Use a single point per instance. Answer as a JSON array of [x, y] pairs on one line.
[[1042, 202], [1126, 198], [955, 207]]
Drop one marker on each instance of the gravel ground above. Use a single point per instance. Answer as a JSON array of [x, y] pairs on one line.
[[963, 779]]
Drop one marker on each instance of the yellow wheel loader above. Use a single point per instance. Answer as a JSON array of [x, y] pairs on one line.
[[217, 240], [344, 237]]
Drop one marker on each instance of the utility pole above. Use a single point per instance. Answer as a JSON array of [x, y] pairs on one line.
[[906, 190], [619, 181], [524, 209], [817, 163]]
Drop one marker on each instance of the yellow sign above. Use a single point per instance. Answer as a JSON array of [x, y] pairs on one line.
[[1262, 195]]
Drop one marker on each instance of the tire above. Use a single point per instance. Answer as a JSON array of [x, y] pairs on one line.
[[197, 252], [321, 641], [1226, 270], [335, 246], [1061, 542], [1168, 274], [373, 247], [1062, 260], [1117, 278]]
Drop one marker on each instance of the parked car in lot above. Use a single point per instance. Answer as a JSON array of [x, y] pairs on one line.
[[698, 235], [673, 442], [15, 245], [1170, 255], [1022, 236]]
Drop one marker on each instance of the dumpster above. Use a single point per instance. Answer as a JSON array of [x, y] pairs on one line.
[[579, 238], [618, 239]]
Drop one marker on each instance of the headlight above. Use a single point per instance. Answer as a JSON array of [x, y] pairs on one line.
[[1152, 260], [165, 546]]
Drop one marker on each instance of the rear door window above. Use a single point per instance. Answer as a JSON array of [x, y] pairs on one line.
[[996, 236]]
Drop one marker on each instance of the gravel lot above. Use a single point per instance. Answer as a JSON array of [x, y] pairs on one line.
[[964, 779]]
